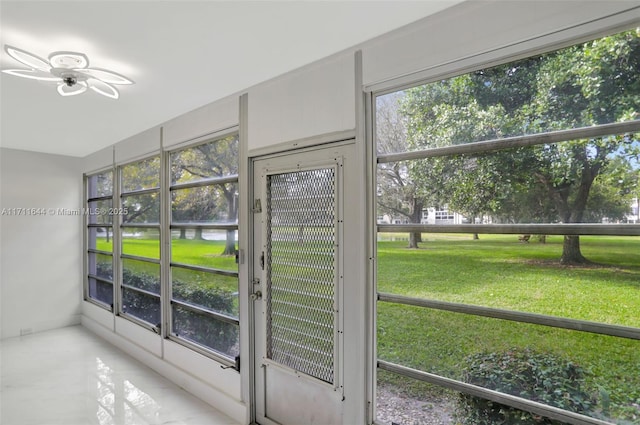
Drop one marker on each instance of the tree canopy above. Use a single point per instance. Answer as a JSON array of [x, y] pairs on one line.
[[575, 181], [213, 203]]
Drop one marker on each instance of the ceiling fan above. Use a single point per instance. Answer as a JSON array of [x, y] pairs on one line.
[[69, 69]]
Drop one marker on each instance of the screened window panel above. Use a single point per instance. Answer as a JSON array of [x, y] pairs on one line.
[[560, 179], [396, 401], [206, 204], [143, 208], [100, 290], [101, 265], [198, 201], [584, 85], [206, 331], [141, 242], [218, 158], [100, 212], [100, 185], [504, 272], [515, 358], [537, 184], [141, 175], [143, 306], [213, 292], [98, 283], [141, 274], [100, 238], [212, 248]]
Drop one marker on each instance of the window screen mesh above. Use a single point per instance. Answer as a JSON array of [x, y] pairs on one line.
[[301, 271]]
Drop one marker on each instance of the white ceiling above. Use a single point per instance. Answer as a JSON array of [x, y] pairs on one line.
[[181, 55]]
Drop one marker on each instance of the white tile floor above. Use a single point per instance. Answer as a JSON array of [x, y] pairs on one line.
[[69, 376]]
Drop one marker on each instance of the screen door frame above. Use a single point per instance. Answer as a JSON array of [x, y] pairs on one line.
[[329, 397]]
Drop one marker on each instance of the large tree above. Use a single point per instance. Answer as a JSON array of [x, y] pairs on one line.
[[398, 195], [142, 175], [594, 83], [213, 203]]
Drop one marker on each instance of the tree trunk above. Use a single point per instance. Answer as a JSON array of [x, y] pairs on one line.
[[475, 237], [571, 253], [416, 216], [413, 239], [198, 235], [232, 210], [183, 233], [230, 246]]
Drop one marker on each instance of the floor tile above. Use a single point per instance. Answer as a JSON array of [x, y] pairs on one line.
[[69, 376]]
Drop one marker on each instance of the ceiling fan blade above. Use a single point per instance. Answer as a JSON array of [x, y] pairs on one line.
[[30, 60], [32, 74], [66, 90], [105, 76], [103, 88]]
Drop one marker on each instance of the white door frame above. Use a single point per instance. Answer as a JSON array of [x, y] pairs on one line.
[[352, 357]]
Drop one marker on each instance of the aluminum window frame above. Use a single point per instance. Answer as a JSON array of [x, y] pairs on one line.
[[121, 226], [504, 55], [87, 276], [164, 227], [169, 226]]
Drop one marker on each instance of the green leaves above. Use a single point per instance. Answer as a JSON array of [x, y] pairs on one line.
[[588, 84], [540, 377]]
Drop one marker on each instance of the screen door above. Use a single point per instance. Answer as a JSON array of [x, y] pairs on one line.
[[297, 287]]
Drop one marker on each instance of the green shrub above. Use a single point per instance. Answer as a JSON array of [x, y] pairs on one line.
[[138, 304], [196, 327], [540, 377], [210, 332]]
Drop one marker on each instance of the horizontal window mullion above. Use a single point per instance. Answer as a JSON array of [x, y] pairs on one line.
[[516, 316], [229, 226], [534, 229], [100, 279], [99, 303], [140, 192], [100, 198], [140, 225], [232, 178], [105, 225], [140, 322], [138, 258], [142, 291], [223, 358], [97, 251], [515, 142], [495, 396], [205, 269], [218, 316]]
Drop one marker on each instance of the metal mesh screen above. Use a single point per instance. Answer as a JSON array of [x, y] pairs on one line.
[[301, 271]]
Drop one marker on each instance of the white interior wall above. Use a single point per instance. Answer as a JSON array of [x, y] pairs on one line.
[[315, 100], [214, 117], [40, 248]]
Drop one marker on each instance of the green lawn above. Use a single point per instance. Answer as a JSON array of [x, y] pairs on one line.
[[186, 251], [498, 271], [203, 253]]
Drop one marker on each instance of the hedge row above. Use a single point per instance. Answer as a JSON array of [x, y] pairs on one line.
[[191, 325]]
